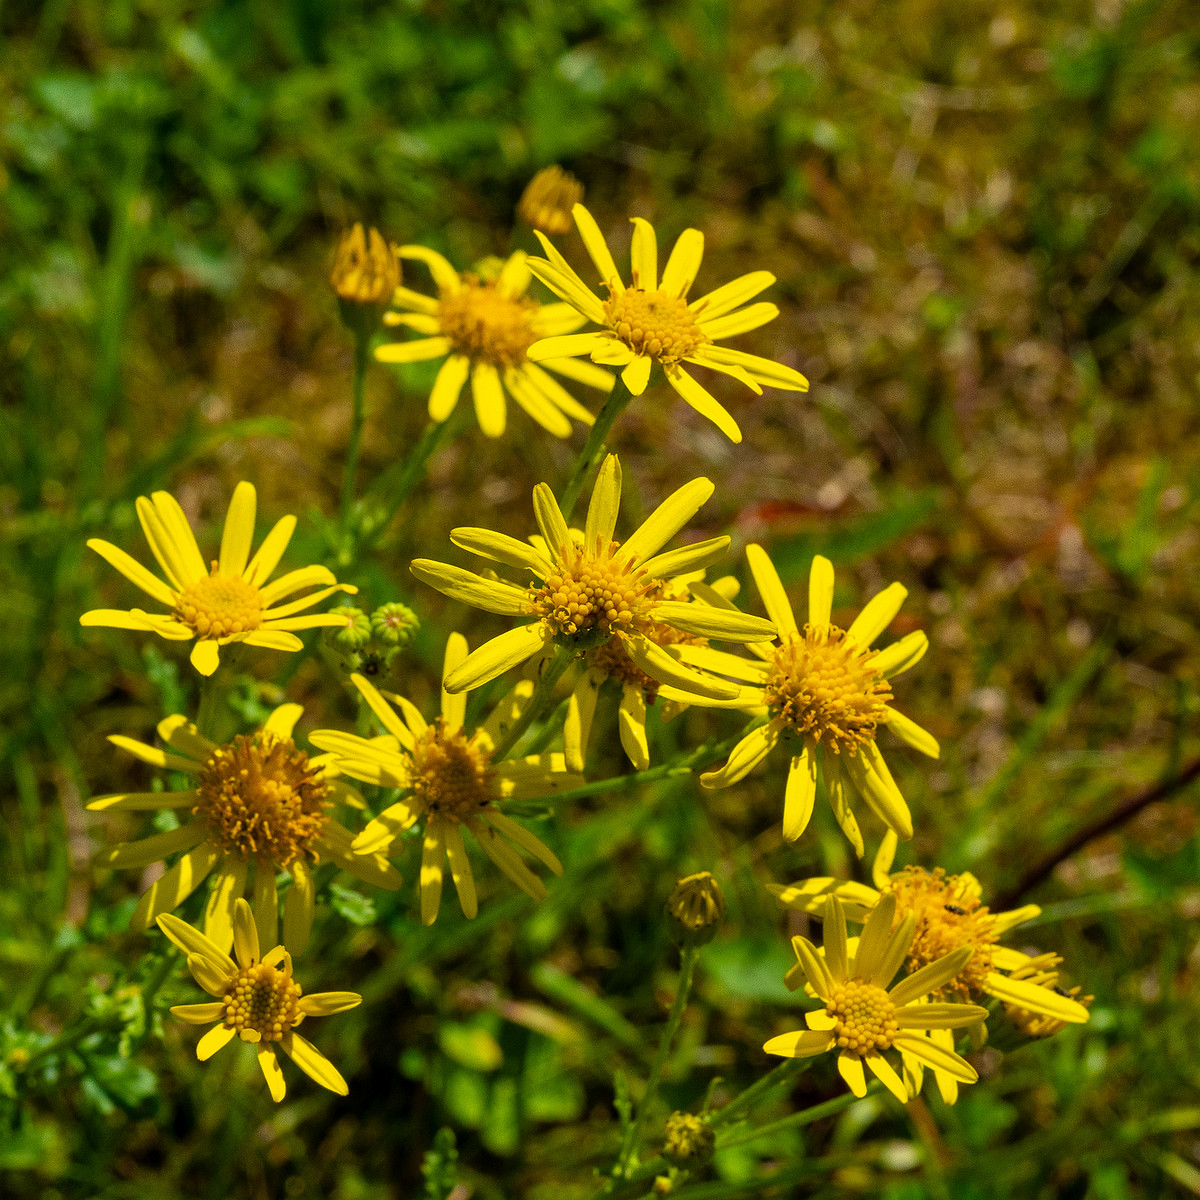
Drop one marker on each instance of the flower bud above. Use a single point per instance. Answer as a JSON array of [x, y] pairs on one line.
[[697, 906], [366, 270], [394, 624], [689, 1142], [357, 632], [548, 199]]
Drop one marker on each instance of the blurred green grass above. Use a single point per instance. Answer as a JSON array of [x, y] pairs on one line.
[[984, 223]]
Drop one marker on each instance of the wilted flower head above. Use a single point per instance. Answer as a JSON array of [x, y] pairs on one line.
[[547, 200], [697, 906], [366, 269]]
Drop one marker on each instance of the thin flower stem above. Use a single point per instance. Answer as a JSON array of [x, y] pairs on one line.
[[594, 448], [783, 1074], [691, 952], [538, 702], [210, 692], [805, 1116], [362, 346]]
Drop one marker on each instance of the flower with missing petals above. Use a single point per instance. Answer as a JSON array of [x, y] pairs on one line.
[[232, 602], [863, 1016], [485, 326], [365, 268], [259, 808], [257, 1000], [547, 201], [651, 321], [453, 782], [826, 693]]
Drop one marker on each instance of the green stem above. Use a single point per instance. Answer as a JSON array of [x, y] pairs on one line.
[[542, 695], [691, 952], [805, 1117], [210, 694], [779, 1076], [593, 449], [362, 345]]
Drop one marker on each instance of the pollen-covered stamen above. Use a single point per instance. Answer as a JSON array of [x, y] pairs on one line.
[[825, 686], [218, 606], [484, 323], [263, 800], [948, 916], [593, 593], [865, 1016], [654, 323], [452, 775], [262, 1000]]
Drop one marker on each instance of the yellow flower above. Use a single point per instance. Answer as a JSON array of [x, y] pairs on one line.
[[638, 690], [697, 905], [452, 781], [365, 268], [485, 326], [258, 801], [823, 687], [1042, 972], [946, 916], [584, 595], [547, 200], [258, 1002], [232, 602], [863, 1016], [651, 320]]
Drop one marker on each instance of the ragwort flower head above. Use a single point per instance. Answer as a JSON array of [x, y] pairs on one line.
[[258, 1001], [260, 807], [547, 200], [451, 782], [232, 601], [365, 268], [1042, 972], [583, 595], [946, 916], [651, 320], [485, 328], [611, 663], [826, 693], [863, 1016]]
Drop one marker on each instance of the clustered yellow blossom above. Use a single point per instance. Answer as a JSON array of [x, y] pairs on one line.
[[483, 328]]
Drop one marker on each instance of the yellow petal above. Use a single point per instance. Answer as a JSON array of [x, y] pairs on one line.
[[568, 345], [931, 977], [265, 907], [940, 1016], [695, 557], [550, 520], [194, 944], [420, 350], [577, 727], [876, 936], [153, 849], [558, 276], [448, 386], [703, 402], [431, 871], [269, 1064], [901, 655], [245, 932], [746, 755], [175, 884], [597, 248], [491, 595], [885, 1073], [313, 1063], [198, 1014], [488, 395], [907, 730], [325, 1004], [802, 1044], [206, 657], [667, 519], [298, 908], [730, 295], [707, 621], [850, 1068], [800, 795], [460, 870], [500, 547], [1036, 999], [820, 591], [582, 372], [761, 370], [212, 1041], [631, 726], [637, 374], [815, 969], [604, 505], [514, 275], [239, 530], [742, 321], [133, 571], [528, 842], [660, 665], [497, 656], [686, 256], [878, 614], [218, 913], [444, 275], [934, 1056], [454, 705], [180, 533], [270, 552]]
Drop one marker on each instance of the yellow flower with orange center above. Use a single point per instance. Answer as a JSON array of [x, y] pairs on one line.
[[259, 809], [651, 321], [231, 601], [583, 594], [863, 1016], [257, 1000], [452, 782], [485, 327], [826, 693]]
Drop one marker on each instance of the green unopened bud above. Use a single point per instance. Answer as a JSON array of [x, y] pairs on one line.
[[394, 624], [355, 634], [697, 906], [689, 1142]]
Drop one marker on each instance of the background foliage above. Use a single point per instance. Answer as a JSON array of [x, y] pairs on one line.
[[983, 218]]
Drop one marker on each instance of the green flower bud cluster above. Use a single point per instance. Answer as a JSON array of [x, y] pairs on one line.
[[370, 645]]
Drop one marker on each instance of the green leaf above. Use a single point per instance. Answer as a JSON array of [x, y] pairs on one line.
[[354, 906]]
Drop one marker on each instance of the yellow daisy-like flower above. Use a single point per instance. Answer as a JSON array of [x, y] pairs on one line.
[[584, 595], [233, 601], [823, 689], [863, 1016], [547, 200], [486, 326], [260, 802], [639, 690], [258, 1002], [451, 780], [1042, 972], [946, 916], [651, 321]]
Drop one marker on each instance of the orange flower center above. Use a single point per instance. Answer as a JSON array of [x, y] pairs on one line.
[[654, 323], [948, 916], [823, 685], [597, 594], [483, 323], [262, 1000], [452, 775], [218, 606], [865, 1015], [263, 800]]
